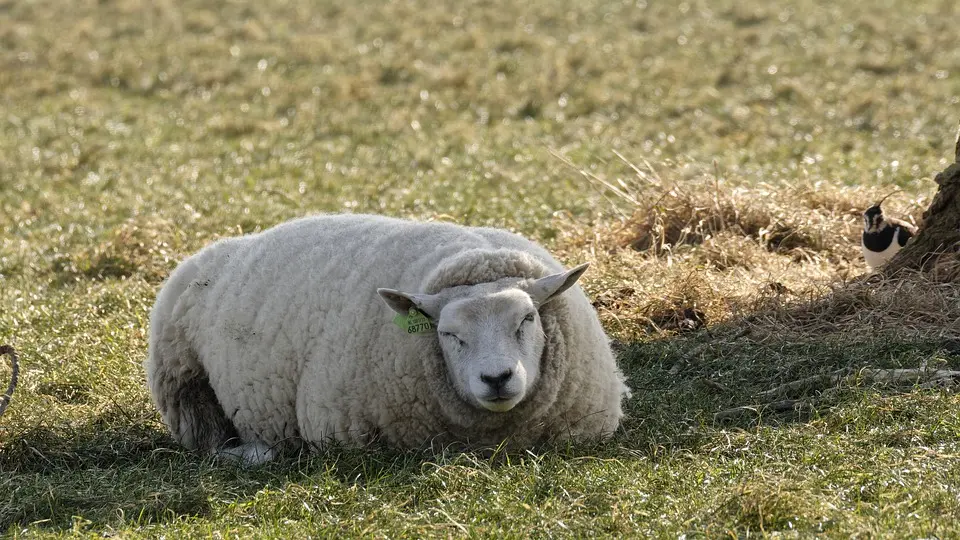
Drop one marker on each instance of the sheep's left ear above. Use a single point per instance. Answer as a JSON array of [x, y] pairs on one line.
[[547, 288], [401, 302]]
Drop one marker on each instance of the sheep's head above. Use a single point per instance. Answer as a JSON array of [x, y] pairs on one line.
[[490, 334]]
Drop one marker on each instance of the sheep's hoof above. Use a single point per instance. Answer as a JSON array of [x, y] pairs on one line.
[[249, 454]]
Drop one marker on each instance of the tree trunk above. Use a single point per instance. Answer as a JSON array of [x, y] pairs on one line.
[[935, 247]]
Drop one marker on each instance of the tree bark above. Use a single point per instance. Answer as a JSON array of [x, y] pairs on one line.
[[935, 247]]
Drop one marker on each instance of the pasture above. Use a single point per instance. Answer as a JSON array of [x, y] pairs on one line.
[[710, 159]]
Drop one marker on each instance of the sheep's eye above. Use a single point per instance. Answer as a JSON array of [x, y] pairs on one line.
[[453, 337], [528, 318]]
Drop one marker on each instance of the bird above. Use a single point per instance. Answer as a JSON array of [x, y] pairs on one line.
[[883, 236]]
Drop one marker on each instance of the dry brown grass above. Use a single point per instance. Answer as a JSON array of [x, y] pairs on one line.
[[693, 247]]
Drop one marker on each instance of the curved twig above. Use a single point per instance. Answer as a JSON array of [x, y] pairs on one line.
[[15, 364]]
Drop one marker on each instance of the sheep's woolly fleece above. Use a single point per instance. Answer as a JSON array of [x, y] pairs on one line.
[[280, 338]]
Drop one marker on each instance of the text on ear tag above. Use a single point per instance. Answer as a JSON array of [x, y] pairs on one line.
[[414, 322]]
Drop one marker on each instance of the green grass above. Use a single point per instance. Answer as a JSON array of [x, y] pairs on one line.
[[132, 133]]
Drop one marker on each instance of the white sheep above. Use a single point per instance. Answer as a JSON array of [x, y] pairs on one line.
[[276, 339]]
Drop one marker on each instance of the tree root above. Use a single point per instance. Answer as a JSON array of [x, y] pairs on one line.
[[807, 383], [920, 377]]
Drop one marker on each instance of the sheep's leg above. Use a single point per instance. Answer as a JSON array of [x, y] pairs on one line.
[[183, 394], [202, 424]]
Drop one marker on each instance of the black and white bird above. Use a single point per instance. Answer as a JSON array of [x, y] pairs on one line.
[[883, 236]]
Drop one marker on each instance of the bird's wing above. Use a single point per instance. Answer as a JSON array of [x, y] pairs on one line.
[[903, 235]]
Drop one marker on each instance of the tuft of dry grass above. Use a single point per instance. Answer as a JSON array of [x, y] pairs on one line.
[[691, 246], [682, 217]]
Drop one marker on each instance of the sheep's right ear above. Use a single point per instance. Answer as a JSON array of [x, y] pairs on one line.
[[401, 302]]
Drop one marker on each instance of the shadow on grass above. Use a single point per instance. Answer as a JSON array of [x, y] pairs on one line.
[[729, 378], [113, 471]]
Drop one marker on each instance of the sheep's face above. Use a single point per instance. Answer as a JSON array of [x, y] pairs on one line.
[[492, 345], [490, 334]]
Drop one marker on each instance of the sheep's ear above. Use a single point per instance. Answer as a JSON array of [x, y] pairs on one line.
[[401, 302], [547, 288]]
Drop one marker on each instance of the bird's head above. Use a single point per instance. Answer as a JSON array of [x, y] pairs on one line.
[[873, 216], [873, 219]]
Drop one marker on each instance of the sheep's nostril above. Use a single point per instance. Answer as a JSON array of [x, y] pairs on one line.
[[497, 381]]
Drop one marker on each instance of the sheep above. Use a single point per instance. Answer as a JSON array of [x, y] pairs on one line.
[[285, 339]]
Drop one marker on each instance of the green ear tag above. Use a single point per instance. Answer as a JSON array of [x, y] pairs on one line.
[[414, 322]]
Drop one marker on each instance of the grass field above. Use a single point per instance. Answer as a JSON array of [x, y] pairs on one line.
[[704, 156]]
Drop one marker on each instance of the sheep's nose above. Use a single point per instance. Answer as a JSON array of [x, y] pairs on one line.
[[497, 381]]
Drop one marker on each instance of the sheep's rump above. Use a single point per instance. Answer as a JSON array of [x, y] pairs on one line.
[[286, 329]]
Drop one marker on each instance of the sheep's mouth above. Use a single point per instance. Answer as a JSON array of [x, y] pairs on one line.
[[499, 403], [501, 397]]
